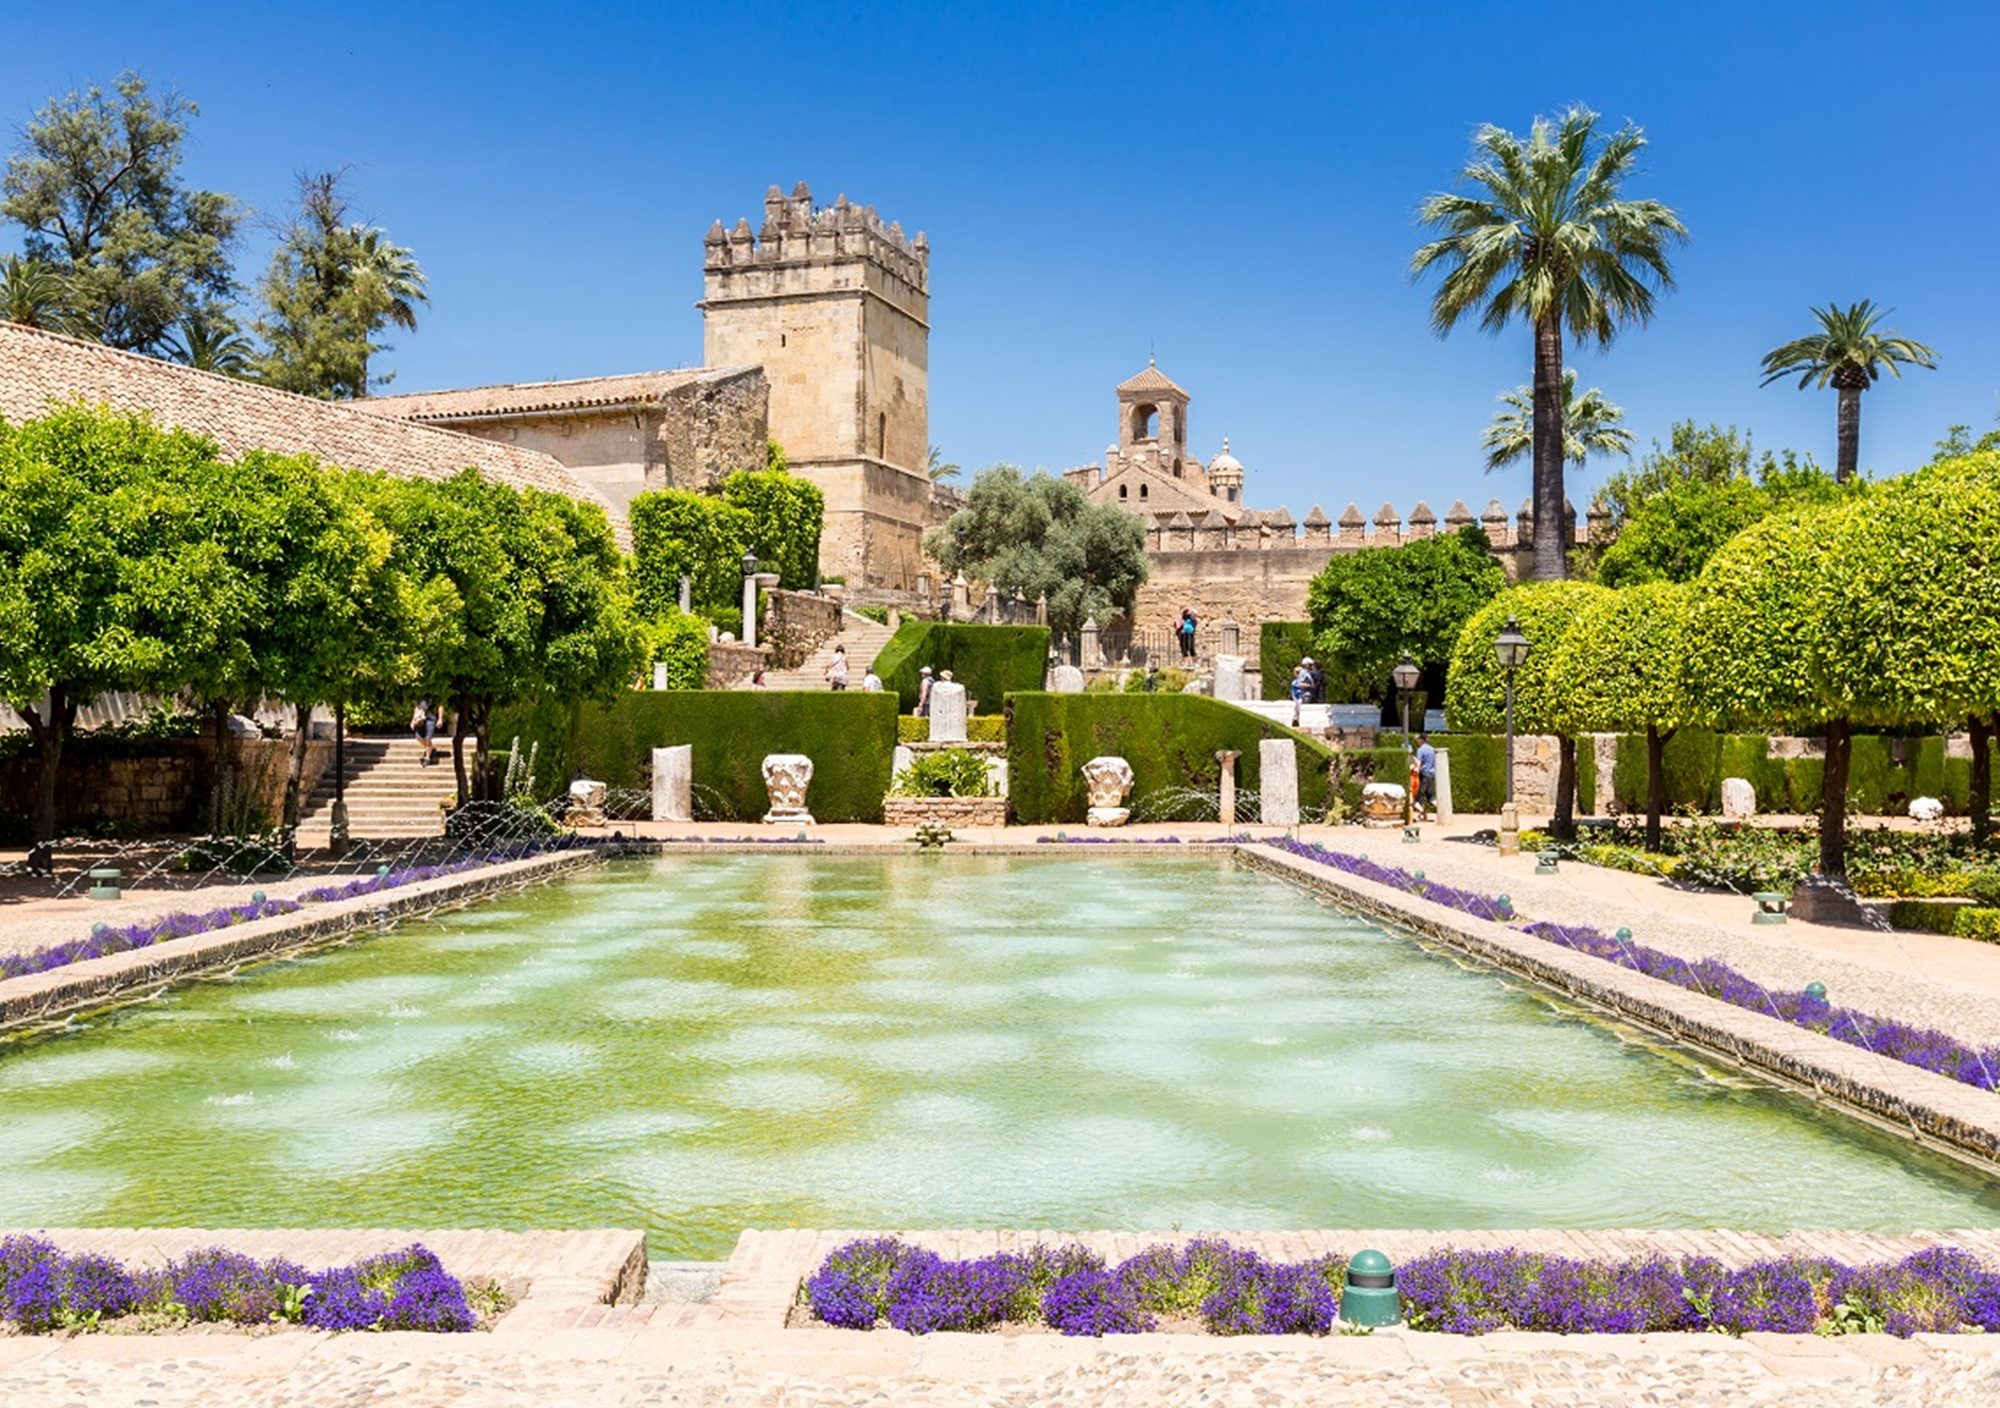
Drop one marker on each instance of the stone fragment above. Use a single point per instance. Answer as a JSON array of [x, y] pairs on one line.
[[1739, 798], [1229, 677], [947, 712], [786, 778], [1066, 679], [673, 783], [586, 802], [1278, 781], [1107, 781], [1926, 809], [1382, 804]]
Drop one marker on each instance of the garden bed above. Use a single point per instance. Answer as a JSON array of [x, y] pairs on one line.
[[1211, 1286]]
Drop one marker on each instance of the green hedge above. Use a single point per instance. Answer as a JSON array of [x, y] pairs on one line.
[[1169, 739], [980, 728], [992, 662], [548, 727], [1280, 647], [1478, 770], [1973, 923]]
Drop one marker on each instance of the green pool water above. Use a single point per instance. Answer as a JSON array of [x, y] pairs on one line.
[[700, 1044]]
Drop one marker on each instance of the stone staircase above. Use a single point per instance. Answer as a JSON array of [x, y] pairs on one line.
[[864, 640], [389, 792]]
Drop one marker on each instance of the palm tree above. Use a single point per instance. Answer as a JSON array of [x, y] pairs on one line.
[[395, 270], [939, 470], [1546, 239], [210, 342], [1591, 426], [34, 295], [1848, 352]]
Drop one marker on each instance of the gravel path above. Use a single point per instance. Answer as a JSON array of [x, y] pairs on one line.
[[1926, 979]]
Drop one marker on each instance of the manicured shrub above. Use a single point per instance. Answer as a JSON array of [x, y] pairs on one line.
[[1169, 739], [1280, 647], [785, 514], [1927, 916], [679, 640], [954, 772], [675, 532], [990, 661], [980, 728], [1977, 922], [1479, 769]]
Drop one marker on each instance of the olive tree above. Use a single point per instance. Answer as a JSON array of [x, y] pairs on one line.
[[1620, 668], [1475, 689]]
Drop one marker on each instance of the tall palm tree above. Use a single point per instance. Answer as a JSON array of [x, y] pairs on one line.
[[1546, 239], [1591, 426], [34, 295], [1849, 353], [395, 271], [938, 468], [210, 342]]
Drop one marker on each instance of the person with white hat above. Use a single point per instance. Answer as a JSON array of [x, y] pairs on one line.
[[924, 692]]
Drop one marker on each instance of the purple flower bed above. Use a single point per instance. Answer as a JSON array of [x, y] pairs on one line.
[[1923, 1047], [1063, 838], [373, 884], [43, 1289], [1467, 901], [141, 935], [1235, 1291]]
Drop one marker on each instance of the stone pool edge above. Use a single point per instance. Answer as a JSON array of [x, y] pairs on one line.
[[1940, 1114], [121, 977]]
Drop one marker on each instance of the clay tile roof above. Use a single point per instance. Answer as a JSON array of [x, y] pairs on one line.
[[1180, 520], [1422, 513], [40, 369], [1151, 379], [528, 397], [1351, 516], [1317, 518]]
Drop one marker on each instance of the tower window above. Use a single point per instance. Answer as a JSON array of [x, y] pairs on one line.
[[1142, 491], [881, 435], [1121, 491]]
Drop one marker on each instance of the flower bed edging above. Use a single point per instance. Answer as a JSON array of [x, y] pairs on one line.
[[1936, 1111], [105, 940], [45, 1290], [1231, 1290]]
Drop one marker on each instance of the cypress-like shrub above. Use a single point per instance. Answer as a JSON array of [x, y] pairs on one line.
[[1280, 647], [992, 662], [850, 736], [1169, 739], [1479, 770]]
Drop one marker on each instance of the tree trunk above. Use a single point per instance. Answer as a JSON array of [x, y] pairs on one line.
[[51, 732], [1833, 800], [1551, 550], [1656, 783], [218, 788], [1979, 795], [482, 770], [458, 748], [1850, 434], [339, 753], [1563, 825], [295, 775]]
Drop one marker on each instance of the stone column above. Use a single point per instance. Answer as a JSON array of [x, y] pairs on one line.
[[1232, 637], [961, 598], [659, 674], [1089, 657], [1226, 807], [673, 783], [1278, 781], [1443, 786], [748, 635], [1229, 677], [687, 592], [947, 712], [1042, 609]]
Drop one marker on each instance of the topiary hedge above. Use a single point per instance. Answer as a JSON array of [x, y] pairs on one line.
[[1479, 770], [1280, 647], [1697, 761], [1169, 739], [992, 662], [980, 728]]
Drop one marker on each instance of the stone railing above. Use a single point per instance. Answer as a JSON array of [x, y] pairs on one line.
[[795, 624], [732, 663], [164, 789]]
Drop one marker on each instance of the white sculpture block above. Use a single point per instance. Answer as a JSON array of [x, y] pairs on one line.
[[1066, 679], [1444, 811], [1926, 808], [786, 778], [947, 712], [1739, 798], [1107, 781], [1278, 781], [1229, 677], [673, 783]]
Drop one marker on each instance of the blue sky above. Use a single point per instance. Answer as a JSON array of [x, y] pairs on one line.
[[1232, 187]]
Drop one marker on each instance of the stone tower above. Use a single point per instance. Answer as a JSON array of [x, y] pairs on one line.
[[835, 306], [1225, 475], [1152, 427]]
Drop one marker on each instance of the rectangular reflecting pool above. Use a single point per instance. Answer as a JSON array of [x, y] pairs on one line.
[[699, 1044]]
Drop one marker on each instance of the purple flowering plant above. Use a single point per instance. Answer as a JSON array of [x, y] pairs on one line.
[[141, 935], [43, 1289]]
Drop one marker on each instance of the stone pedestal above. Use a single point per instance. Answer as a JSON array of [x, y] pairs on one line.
[[1739, 798], [1278, 781], [1066, 679], [1510, 829], [1229, 677], [673, 783], [586, 802], [1226, 803], [947, 712], [786, 778], [1382, 804], [1444, 786], [1107, 781]]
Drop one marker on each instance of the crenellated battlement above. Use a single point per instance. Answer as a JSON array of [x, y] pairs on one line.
[[1275, 529], [796, 233]]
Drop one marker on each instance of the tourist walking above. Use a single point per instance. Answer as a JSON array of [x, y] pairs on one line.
[[871, 683], [924, 692], [836, 669], [1315, 682], [1185, 630], [1427, 774], [423, 725]]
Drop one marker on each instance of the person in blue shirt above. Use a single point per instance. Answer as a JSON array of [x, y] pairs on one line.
[[1427, 774]]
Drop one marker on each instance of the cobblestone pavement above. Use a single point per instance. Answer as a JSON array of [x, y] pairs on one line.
[[1376, 1371]]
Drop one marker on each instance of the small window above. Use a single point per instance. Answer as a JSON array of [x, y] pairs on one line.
[[881, 436], [1142, 491], [1121, 491]]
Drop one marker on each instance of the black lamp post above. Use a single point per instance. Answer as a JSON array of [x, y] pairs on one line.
[[749, 564], [1510, 648], [1405, 675]]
